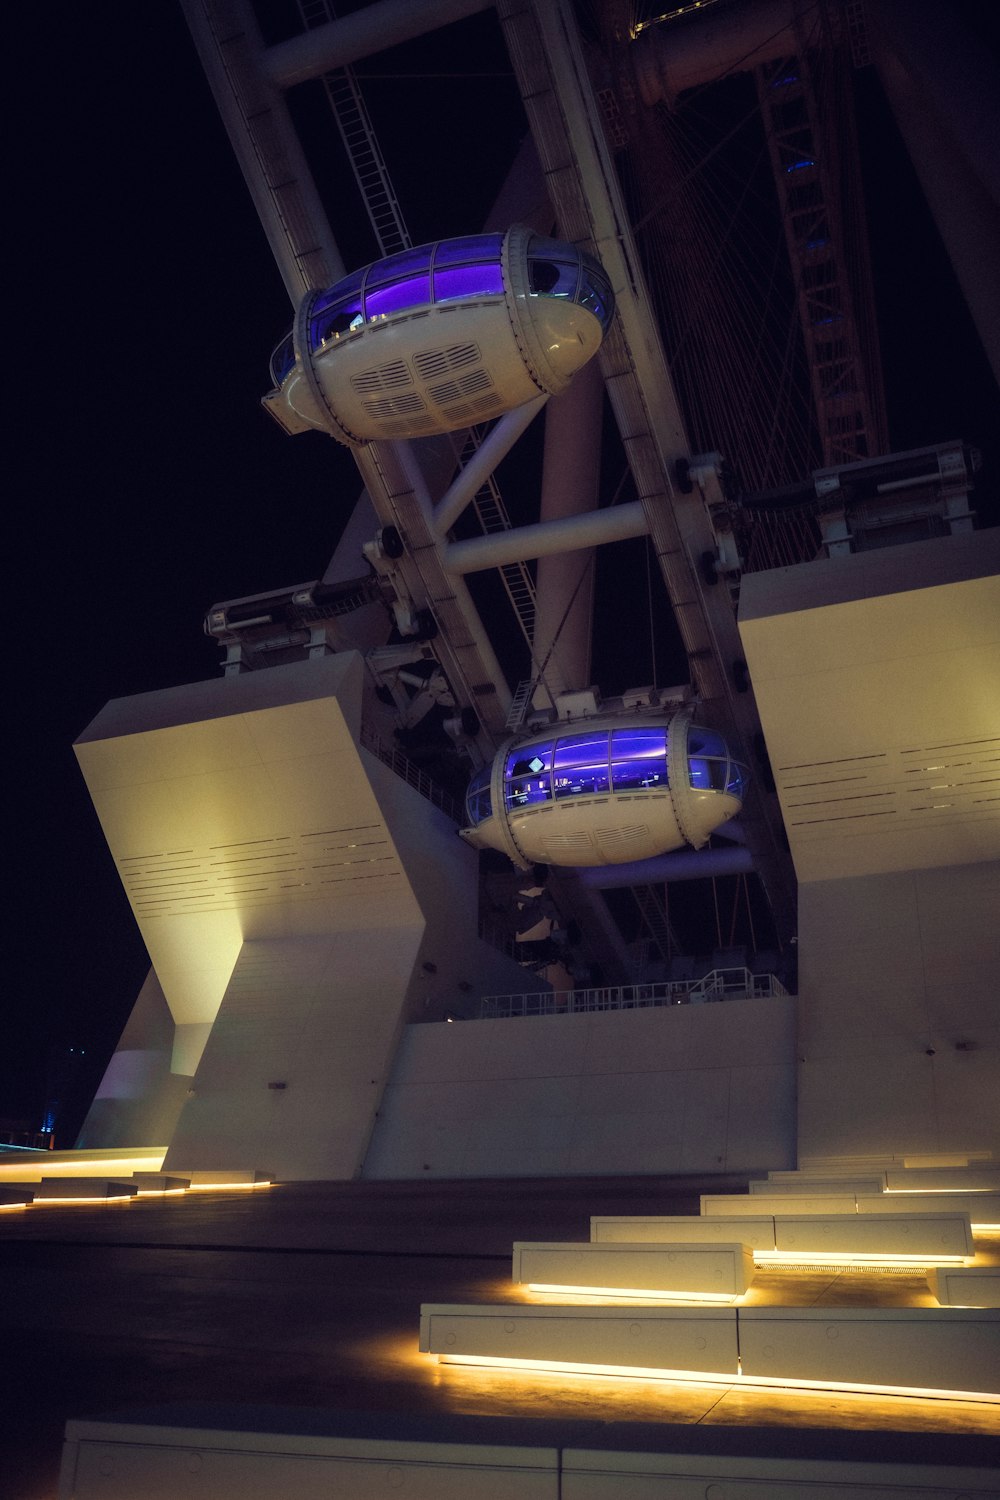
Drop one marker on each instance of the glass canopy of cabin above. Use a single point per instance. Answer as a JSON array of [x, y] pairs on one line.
[[455, 270]]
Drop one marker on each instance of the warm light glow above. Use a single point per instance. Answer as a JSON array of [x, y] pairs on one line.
[[160, 1192], [889, 1192], [228, 1187], [632, 1292], [986, 1228], [569, 1367], [61, 1202], [715, 1378], [6, 1208], [71, 1164], [786, 1258]]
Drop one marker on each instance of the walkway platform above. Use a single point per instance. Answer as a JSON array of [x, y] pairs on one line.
[[305, 1300]]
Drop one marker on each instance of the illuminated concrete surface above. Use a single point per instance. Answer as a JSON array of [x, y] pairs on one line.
[[966, 1286], [66, 1189], [307, 1297], [106, 1461], [720, 1270], [900, 1350], [983, 1207], [943, 1179], [815, 1183], [32, 1166], [755, 1230], [933, 1236]]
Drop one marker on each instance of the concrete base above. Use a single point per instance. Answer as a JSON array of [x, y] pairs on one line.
[[943, 1179], [723, 1271], [911, 1351], [930, 1237], [716, 1205], [757, 1230], [923, 1237], [225, 1177], [982, 1208], [818, 1185], [160, 1182], [107, 1460], [64, 1189], [681, 1341], [966, 1286]]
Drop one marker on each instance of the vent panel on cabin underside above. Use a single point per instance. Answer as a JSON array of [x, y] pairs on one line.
[[434, 362]]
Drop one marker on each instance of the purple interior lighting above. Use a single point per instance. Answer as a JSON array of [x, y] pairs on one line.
[[456, 282], [472, 247], [338, 292], [581, 766], [401, 294], [639, 759], [397, 267]]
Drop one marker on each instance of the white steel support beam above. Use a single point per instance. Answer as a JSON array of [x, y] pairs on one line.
[[338, 43], [463, 646], [569, 135], [495, 446], [571, 472], [546, 538], [265, 144]]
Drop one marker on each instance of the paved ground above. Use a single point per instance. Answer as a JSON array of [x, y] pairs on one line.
[[307, 1296]]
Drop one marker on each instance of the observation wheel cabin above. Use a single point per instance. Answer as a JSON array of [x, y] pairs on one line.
[[439, 337], [604, 791]]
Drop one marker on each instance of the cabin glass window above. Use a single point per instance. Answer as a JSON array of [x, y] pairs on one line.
[[738, 780], [706, 742], [478, 803], [336, 311], [552, 278], [398, 267], [580, 766], [638, 759], [528, 776], [283, 359], [708, 759], [385, 300], [472, 247], [595, 291], [452, 283], [708, 775]]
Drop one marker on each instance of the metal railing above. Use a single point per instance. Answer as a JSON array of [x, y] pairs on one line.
[[394, 758], [720, 984]]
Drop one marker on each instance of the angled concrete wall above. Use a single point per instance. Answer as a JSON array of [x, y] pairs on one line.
[[300, 903], [707, 1088]]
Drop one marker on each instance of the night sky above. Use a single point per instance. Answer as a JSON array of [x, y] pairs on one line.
[[146, 481]]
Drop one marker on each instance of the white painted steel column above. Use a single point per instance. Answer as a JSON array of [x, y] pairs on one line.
[[495, 446], [265, 144], [547, 537], [384, 24], [564, 603]]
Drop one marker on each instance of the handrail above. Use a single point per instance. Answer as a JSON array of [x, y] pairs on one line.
[[719, 984], [404, 768]]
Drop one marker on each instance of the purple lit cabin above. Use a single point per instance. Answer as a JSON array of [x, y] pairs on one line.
[[605, 791], [435, 338]]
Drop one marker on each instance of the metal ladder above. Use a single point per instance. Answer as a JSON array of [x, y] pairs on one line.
[[654, 919], [360, 143]]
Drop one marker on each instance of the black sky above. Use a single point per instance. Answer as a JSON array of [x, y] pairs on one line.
[[147, 483]]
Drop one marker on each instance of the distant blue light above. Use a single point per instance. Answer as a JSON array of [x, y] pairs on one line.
[[797, 166], [816, 244]]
